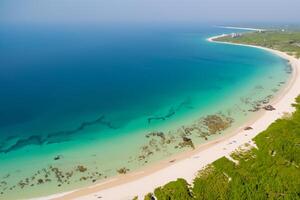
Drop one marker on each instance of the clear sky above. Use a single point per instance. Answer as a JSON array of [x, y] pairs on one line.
[[77, 11]]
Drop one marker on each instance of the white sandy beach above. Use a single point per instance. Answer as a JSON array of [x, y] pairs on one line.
[[187, 164], [241, 28]]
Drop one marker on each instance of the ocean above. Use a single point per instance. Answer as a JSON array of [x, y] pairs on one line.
[[81, 104]]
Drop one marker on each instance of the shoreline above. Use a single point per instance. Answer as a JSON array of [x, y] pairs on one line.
[[241, 28], [142, 181]]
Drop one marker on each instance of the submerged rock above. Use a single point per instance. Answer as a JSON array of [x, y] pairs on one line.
[[254, 109], [269, 108], [186, 142], [248, 128], [81, 168], [158, 134], [57, 157], [122, 170], [217, 123], [40, 181]]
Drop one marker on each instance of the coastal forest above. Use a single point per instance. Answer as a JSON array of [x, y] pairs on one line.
[[283, 40]]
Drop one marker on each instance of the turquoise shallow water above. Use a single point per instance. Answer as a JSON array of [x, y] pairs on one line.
[[82, 104]]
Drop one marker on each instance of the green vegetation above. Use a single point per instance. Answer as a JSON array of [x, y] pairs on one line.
[[270, 171], [174, 190], [287, 41]]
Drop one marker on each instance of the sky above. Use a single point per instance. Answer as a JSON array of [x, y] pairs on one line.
[[113, 11]]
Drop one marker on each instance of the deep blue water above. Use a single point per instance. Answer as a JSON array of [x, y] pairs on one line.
[[56, 78]]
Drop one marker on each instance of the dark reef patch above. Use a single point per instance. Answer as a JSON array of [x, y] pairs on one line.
[[32, 140], [53, 175], [172, 111], [183, 137], [56, 137]]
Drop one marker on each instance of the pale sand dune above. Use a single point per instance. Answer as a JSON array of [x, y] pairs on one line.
[[187, 164]]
